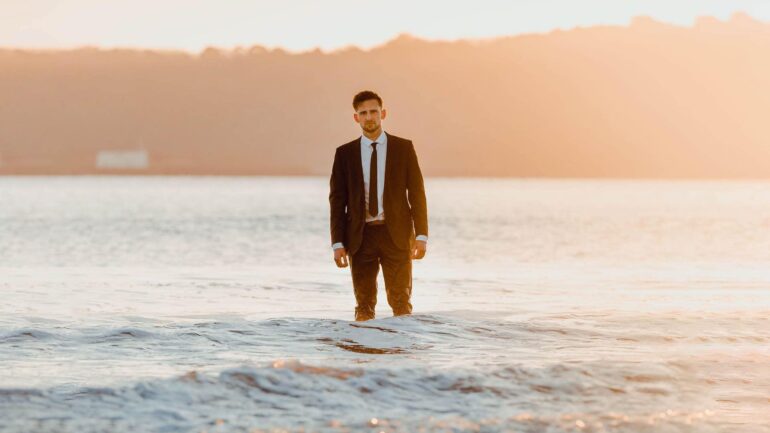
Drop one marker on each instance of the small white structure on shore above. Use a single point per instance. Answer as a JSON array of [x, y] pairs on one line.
[[123, 159]]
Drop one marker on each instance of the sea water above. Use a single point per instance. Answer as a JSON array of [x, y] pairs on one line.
[[191, 304]]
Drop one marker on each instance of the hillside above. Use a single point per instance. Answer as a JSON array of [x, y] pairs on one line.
[[646, 100]]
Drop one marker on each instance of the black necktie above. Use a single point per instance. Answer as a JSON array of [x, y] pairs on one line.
[[373, 208]]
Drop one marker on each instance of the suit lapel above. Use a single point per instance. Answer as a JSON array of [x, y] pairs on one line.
[[389, 164], [358, 171]]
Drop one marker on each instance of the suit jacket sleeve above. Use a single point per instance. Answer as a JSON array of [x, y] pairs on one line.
[[416, 193], [338, 198]]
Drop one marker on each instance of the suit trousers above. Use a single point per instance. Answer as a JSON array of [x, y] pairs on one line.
[[377, 248]]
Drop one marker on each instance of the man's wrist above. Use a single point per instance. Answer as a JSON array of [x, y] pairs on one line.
[[423, 238], [337, 246]]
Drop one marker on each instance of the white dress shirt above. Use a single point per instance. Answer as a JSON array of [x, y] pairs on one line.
[[366, 159], [366, 163]]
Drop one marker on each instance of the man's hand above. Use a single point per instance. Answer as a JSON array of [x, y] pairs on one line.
[[341, 257], [418, 249]]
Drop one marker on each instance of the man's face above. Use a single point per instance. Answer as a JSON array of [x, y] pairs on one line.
[[369, 115]]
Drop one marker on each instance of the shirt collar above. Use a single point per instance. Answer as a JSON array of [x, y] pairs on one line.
[[382, 140]]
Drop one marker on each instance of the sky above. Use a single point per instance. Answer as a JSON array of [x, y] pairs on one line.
[[300, 25]]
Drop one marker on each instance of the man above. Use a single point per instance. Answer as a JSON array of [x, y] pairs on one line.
[[377, 201]]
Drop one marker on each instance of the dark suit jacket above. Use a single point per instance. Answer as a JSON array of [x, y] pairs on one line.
[[403, 198]]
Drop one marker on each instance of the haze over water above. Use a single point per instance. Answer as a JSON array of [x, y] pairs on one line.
[[212, 303]]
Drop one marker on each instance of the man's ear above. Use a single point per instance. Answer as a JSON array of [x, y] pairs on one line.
[[355, 117], [383, 114]]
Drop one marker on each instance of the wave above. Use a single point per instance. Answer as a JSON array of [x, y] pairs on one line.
[[291, 394], [470, 371], [449, 327]]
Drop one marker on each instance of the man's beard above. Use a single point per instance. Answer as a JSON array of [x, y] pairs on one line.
[[371, 127]]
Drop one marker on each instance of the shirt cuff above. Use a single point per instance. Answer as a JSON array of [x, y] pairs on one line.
[[337, 246], [421, 238]]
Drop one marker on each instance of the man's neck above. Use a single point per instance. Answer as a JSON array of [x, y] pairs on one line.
[[374, 135]]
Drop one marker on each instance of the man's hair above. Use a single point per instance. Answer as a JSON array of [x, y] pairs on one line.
[[365, 96]]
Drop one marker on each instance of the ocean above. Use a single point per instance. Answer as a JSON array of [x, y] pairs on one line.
[[212, 304]]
